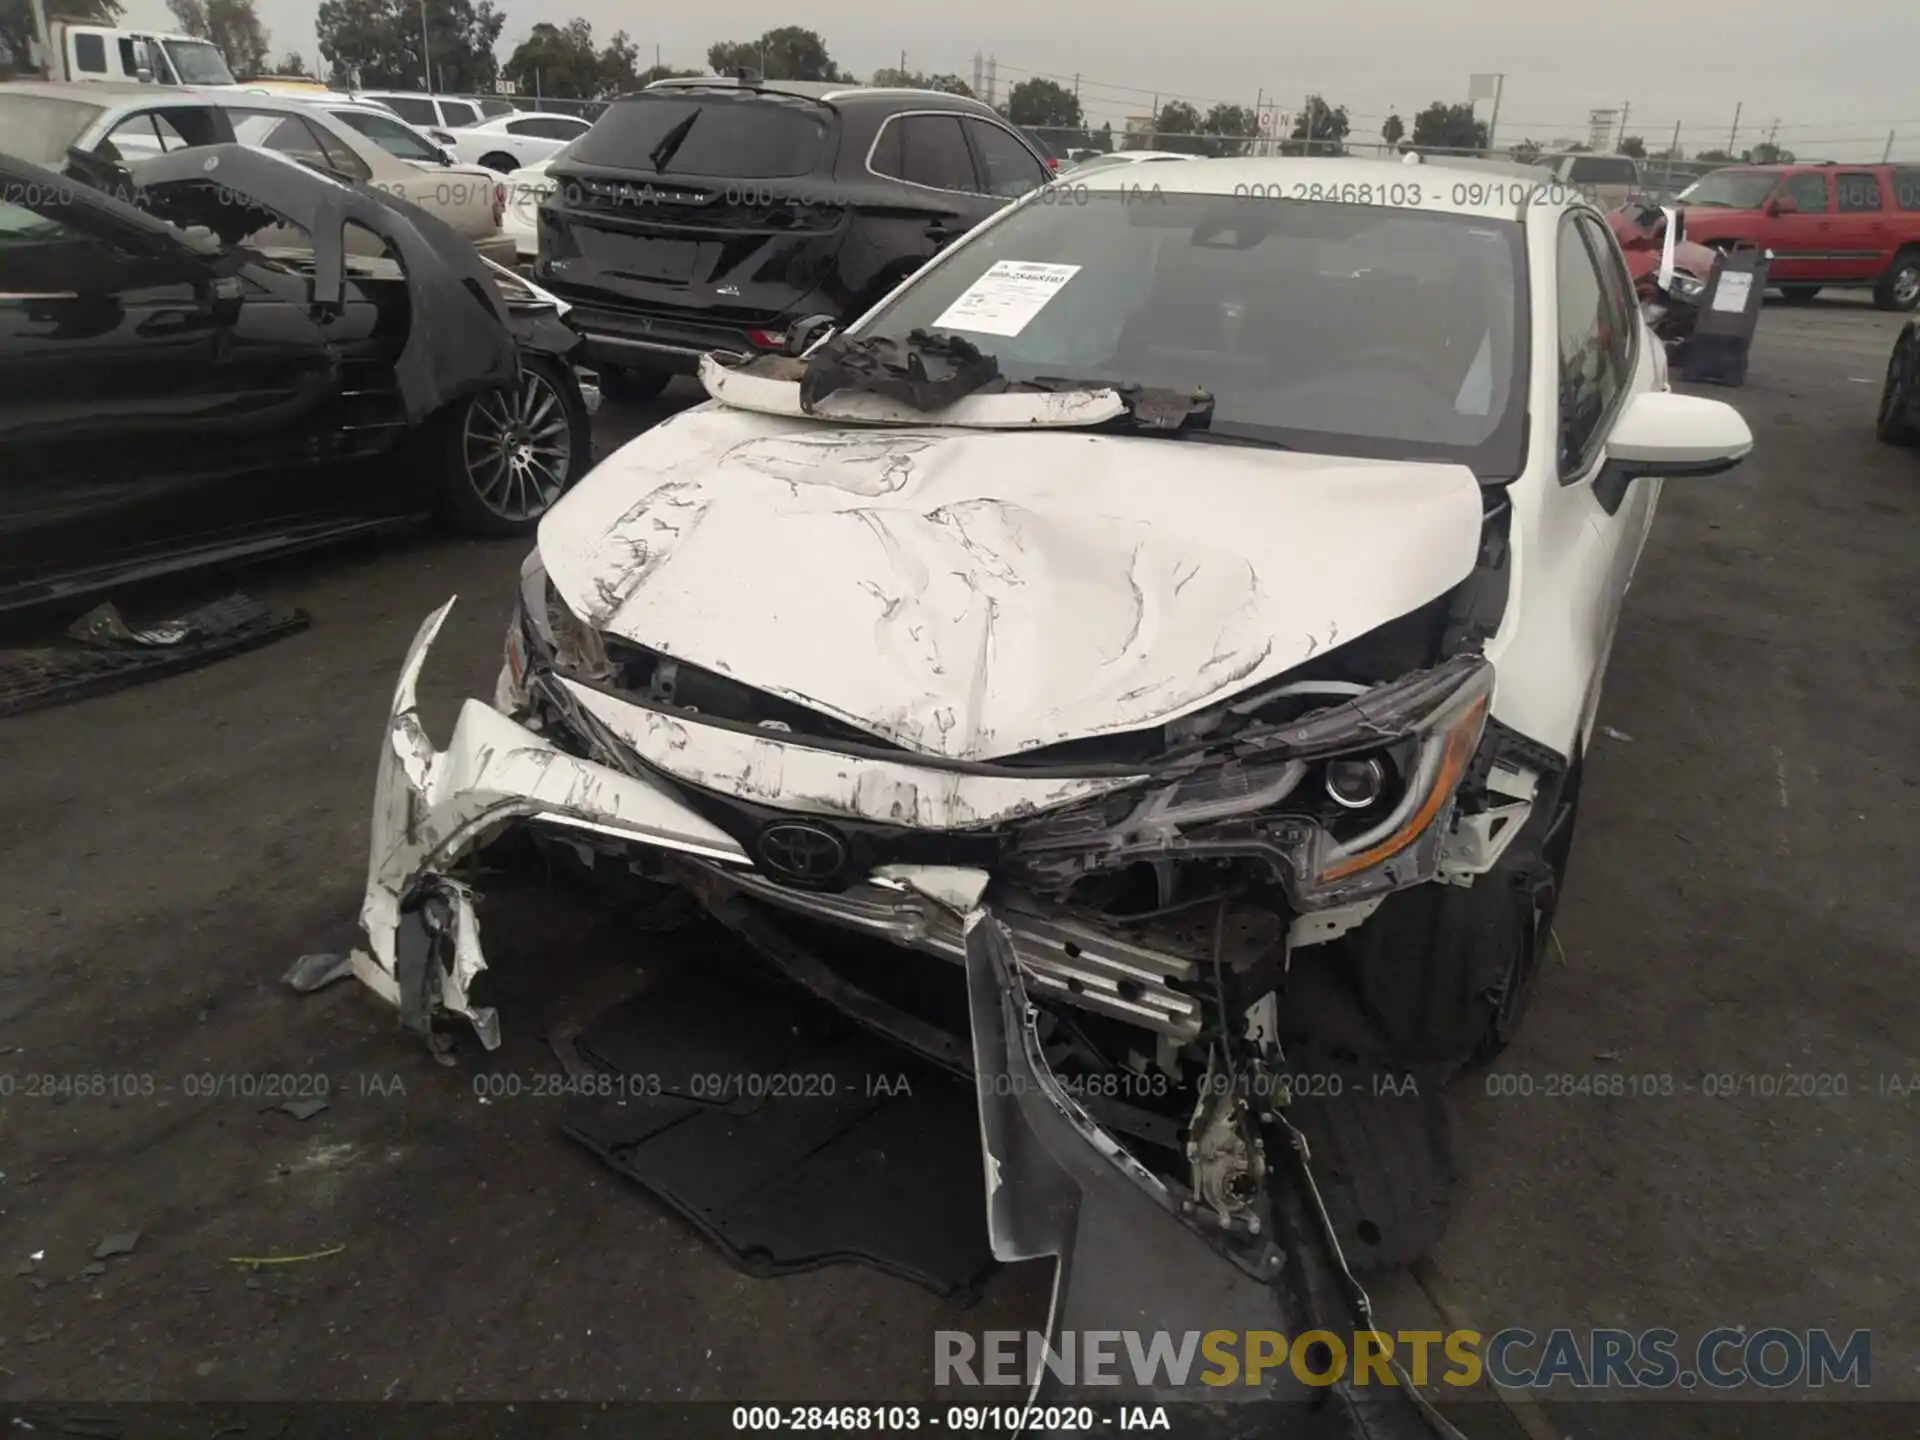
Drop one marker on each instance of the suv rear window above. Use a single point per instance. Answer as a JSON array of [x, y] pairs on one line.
[[753, 137], [1906, 187], [1602, 170]]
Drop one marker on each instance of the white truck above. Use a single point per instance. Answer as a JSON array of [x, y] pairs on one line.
[[77, 52]]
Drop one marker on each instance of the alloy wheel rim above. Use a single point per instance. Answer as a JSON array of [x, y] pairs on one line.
[[1906, 285], [518, 446]]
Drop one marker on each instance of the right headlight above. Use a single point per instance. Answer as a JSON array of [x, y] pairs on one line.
[[1396, 753]]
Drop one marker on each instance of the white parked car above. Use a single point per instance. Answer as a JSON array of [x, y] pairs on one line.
[[1197, 694], [445, 112], [1123, 157], [134, 122], [512, 142], [526, 188]]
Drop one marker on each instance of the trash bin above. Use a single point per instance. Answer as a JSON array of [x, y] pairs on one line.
[[1729, 315]]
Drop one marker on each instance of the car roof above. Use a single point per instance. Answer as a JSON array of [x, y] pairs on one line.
[[530, 115], [837, 93], [1443, 187], [114, 95]]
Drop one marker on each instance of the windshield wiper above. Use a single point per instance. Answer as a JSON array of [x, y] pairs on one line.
[[670, 142]]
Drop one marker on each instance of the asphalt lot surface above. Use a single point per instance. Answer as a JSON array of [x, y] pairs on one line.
[[1740, 917]]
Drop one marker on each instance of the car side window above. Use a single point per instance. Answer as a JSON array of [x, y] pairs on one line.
[[412, 109], [1589, 379], [44, 253], [458, 112], [1859, 191], [389, 134], [90, 53], [1808, 191], [547, 127], [340, 155], [1616, 291], [1007, 167], [292, 136], [1906, 188], [136, 138], [931, 152]]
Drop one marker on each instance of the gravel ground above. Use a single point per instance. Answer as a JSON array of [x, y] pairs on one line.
[[1740, 918]]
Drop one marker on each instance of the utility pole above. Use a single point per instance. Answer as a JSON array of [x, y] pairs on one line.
[[903, 67], [1493, 121], [1626, 107], [1774, 131], [1673, 150], [993, 80], [1731, 134], [979, 67], [1306, 109], [426, 52], [1887, 154]]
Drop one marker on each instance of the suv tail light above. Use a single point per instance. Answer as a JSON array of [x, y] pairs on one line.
[[768, 339], [1053, 162]]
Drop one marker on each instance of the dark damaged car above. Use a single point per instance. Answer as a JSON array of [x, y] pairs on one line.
[[1174, 626], [196, 366]]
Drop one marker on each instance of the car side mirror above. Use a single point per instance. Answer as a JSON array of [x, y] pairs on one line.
[[1782, 205], [803, 335], [1664, 434]]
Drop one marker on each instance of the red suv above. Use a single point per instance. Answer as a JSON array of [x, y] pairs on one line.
[[1851, 225]]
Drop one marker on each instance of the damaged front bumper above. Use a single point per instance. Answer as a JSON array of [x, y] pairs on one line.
[[1135, 1248]]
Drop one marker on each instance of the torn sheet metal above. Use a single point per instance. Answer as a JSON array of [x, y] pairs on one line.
[[923, 372], [431, 807], [787, 776], [105, 653], [975, 595], [458, 336], [771, 385], [1127, 1256]]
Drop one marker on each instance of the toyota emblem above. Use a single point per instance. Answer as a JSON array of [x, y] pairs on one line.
[[803, 852]]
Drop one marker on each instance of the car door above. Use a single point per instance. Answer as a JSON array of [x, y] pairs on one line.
[[939, 195], [1595, 530], [123, 393], [1801, 237], [1863, 242]]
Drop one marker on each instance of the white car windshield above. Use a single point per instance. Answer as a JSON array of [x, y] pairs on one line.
[[199, 63], [1375, 331], [1731, 189]]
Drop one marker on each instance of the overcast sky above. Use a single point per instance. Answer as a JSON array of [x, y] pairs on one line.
[[1836, 76]]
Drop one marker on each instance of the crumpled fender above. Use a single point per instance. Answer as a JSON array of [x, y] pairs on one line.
[[459, 337]]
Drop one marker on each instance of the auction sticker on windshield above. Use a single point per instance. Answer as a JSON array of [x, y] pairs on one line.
[[1005, 299]]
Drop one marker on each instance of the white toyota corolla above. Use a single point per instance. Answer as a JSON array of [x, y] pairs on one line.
[[1183, 604]]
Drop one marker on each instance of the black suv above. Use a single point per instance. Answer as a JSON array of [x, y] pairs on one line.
[[711, 214]]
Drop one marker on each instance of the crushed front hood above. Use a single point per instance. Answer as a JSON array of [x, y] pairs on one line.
[[972, 594]]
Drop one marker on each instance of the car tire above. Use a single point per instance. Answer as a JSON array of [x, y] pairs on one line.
[[1798, 294], [500, 161], [1891, 425], [510, 455], [1899, 288], [623, 382]]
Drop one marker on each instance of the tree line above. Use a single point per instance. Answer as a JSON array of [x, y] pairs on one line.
[[376, 44]]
